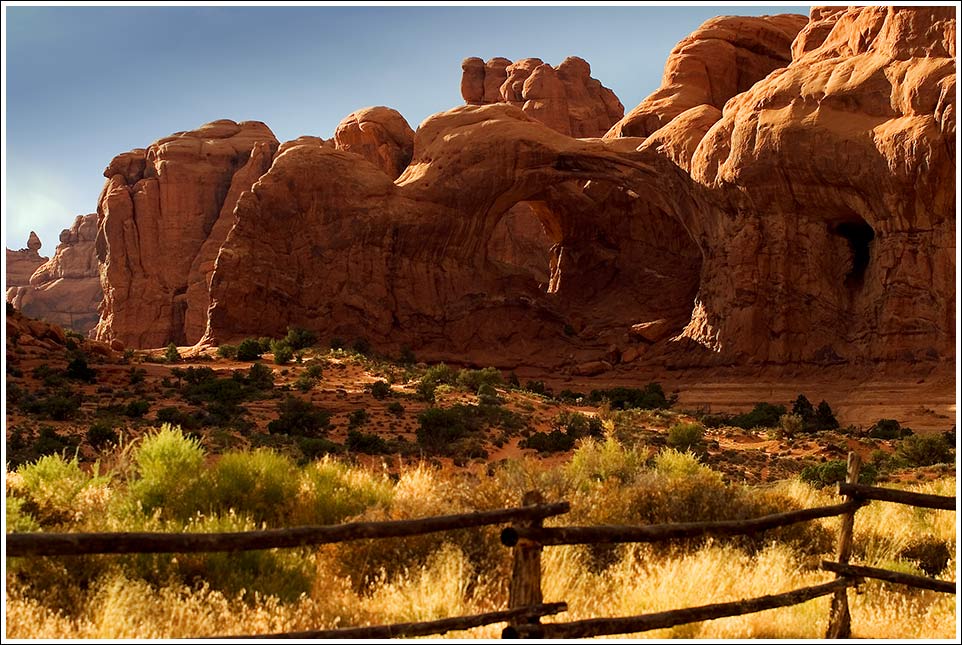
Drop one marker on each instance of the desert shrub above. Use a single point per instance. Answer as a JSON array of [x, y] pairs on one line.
[[137, 375], [314, 447], [249, 350], [763, 415], [101, 434], [300, 338], [260, 377], [305, 383], [426, 391], [570, 396], [578, 425], [537, 387], [361, 346], [50, 442], [832, 472], [597, 461], [380, 390], [60, 405], [337, 343], [790, 425], [367, 443], [136, 409], [357, 418], [332, 492], [171, 355], [474, 379], [19, 519], [169, 469], [487, 395], [439, 374], [261, 484], [651, 397], [314, 370], [227, 351], [686, 437], [888, 429], [930, 553], [51, 488], [439, 427], [824, 417], [299, 417], [78, 369], [176, 417], [395, 408], [282, 352], [923, 450], [547, 442]]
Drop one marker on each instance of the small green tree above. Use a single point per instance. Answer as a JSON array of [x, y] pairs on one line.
[[172, 355], [825, 418], [249, 350]]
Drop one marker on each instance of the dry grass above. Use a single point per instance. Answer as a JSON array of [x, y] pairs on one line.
[[465, 572]]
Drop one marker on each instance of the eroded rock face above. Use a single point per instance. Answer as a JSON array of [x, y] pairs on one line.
[[21, 264], [566, 99], [380, 135], [164, 211], [801, 211], [722, 58], [66, 289]]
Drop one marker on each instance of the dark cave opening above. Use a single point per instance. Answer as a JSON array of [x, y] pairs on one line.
[[859, 236]]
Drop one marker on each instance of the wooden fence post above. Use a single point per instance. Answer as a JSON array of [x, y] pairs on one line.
[[839, 619], [525, 587]]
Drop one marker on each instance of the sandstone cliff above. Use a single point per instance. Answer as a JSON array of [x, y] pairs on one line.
[[164, 213], [66, 289], [565, 98]]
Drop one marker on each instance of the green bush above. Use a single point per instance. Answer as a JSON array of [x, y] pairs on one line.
[[357, 418], [300, 338], [301, 418], [169, 474], [439, 427], [922, 450], [790, 425], [577, 425], [426, 391], [831, 472], [261, 484], [315, 370], [380, 390], [439, 374], [763, 415], [546, 442], [888, 429], [472, 380], [176, 417], [78, 369], [249, 350], [282, 352], [335, 492], [61, 405], [537, 387], [305, 383], [314, 447], [227, 351], [367, 443], [686, 437], [395, 408], [172, 355], [361, 346], [487, 395], [50, 442], [101, 434], [50, 488], [136, 409], [651, 397], [260, 377]]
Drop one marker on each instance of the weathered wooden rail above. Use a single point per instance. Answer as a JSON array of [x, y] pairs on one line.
[[528, 537]]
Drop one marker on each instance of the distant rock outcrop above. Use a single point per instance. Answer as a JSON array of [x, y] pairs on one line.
[[164, 213], [565, 98], [380, 135], [66, 289], [21, 264]]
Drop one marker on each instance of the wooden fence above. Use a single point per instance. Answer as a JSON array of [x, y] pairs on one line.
[[528, 537]]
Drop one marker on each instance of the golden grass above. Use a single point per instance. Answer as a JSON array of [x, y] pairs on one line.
[[433, 577]]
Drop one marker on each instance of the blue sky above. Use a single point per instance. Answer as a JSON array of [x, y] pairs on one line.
[[86, 83]]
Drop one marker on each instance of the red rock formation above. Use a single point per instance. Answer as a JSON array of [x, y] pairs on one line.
[[21, 264], [66, 289], [163, 211], [722, 58], [566, 98], [380, 135]]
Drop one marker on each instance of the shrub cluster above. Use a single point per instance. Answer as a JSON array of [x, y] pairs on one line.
[[651, 397]]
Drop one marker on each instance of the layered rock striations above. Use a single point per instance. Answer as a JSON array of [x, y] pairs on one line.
[[565, 98], [164, 212], [791, 202], [66, 289], [21, 264]]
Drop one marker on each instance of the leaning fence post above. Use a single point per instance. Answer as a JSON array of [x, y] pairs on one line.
[[839, 619], [525, 587]]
